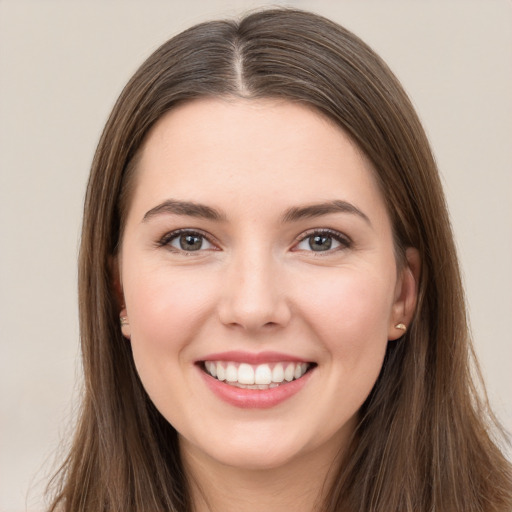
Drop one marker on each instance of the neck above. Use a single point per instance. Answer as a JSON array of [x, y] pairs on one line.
[[299, 485]]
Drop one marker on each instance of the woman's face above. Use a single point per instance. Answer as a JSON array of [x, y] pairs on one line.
[[260, 280]]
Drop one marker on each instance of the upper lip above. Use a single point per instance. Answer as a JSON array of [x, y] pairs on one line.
[[253, 357]]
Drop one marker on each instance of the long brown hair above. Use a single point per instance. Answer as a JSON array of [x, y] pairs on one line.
[[425, 441]]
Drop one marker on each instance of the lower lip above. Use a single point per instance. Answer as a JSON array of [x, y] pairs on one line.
[[255, 398]]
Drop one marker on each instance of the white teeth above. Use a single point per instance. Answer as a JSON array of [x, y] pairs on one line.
[[262, 376], [211, 367], [231, 373], [278, 373], [289, 373], [245, 374], [221, 374]]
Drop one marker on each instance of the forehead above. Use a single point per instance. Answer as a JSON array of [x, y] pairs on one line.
[[209, 150]]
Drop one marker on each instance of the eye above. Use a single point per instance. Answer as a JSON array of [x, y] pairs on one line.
[[322, 241], [186, 241]]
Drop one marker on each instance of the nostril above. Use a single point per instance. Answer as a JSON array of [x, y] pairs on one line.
[[254, 315]]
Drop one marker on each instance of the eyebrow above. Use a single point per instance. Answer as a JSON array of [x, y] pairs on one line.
[[188, 208], [191, 209], [316, 210]]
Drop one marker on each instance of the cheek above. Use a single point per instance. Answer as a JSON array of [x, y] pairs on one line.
[[350, 314], [166, 310], [161, 302]]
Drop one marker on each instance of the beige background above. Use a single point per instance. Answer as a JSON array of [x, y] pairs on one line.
[[62, 65]]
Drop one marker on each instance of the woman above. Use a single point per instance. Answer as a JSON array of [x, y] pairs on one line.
[[271, 309]]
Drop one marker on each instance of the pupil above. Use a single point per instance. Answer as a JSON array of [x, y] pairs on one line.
[[320, 242], [191, 242]]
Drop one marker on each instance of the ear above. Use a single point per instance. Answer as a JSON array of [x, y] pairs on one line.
[[125, 323], [406, 294], [117, 288]]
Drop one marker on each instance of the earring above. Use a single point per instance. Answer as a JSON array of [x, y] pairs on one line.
[[401, 326], [123, 320]]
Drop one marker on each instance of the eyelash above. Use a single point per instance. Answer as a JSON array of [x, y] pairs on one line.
[[343, 240], [166, 240]]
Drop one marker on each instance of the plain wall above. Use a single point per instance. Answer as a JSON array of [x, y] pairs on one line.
[[62, 65]]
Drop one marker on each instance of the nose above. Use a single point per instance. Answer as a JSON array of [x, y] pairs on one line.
[[254, 295]]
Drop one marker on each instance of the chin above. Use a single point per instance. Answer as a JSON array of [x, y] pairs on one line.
[[254, 459], [259, 448]]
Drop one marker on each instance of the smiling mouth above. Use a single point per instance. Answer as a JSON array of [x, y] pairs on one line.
[[256, 376]]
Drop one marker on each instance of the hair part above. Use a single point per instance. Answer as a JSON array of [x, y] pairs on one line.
[[424, 440]]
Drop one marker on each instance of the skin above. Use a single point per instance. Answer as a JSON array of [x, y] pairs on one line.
[[256, 284]]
